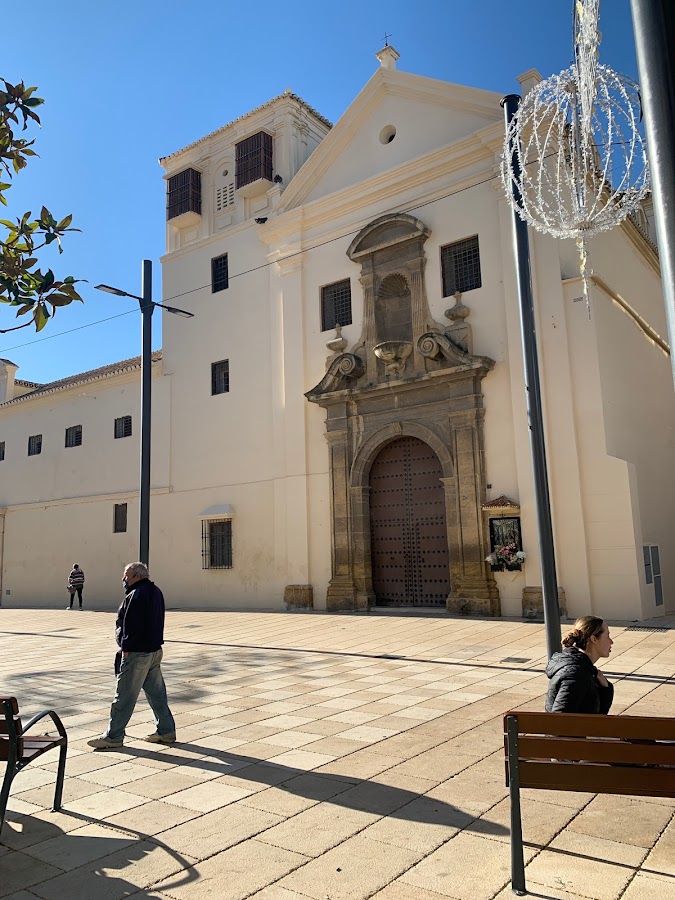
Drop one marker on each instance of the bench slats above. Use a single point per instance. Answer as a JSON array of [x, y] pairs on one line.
[[4, 725], [596, 750], [638, 781], [14, 703], [579, 725]]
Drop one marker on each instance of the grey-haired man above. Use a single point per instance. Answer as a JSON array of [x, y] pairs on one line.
[[139, 631]]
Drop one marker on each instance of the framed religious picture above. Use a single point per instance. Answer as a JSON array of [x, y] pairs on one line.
[[505, 532]]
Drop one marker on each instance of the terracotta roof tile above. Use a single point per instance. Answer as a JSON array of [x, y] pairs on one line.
[[124, 365], [502, 502]]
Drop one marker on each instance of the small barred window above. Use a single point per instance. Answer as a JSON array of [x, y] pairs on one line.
[[119, 518], [35, 445], [220, 377], [123, 427], [219, 274], [217, 544], [460, 264], [74, 436], [336, 304]]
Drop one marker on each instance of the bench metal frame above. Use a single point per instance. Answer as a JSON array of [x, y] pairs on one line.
[[20, 749]]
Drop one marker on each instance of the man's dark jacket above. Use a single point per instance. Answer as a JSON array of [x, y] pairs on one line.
[[573, 686], [140, 619]]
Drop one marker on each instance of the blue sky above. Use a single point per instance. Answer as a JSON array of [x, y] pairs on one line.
[[126, 83]]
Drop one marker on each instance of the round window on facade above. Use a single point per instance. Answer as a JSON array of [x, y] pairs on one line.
[[387, 134], [225, 173]]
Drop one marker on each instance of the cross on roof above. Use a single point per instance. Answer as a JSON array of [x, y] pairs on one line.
[[386, 39]]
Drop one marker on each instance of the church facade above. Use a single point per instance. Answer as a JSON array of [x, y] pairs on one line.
[[342, 424]]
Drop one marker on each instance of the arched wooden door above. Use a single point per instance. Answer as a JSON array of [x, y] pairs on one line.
[[409, 541]]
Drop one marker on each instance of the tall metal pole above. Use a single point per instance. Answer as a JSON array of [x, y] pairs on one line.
[[535, 417], [147, 308], [654, 24]]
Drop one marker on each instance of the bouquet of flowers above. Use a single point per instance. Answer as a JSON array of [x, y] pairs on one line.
[[506, 555]]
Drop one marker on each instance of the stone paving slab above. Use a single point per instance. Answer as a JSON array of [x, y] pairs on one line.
[[329, 757]]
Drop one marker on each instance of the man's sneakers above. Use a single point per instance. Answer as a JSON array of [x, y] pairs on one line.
[[104, 743], [157, 738]]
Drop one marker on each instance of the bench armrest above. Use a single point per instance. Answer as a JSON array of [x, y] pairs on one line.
[[54, 717]]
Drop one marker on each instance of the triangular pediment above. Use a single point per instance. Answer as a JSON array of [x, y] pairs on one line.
[[426, 115]]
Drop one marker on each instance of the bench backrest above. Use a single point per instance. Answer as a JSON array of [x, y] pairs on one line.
[[599, 754], [10, 727]]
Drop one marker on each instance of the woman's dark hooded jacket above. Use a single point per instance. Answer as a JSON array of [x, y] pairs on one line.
[[573, 686]]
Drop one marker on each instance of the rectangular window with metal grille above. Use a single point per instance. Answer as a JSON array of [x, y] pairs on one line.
[[460, 264], [220, 377], [119, 518], [219, 274], [35, 445], [74, 436], [123, 427], [336, 304], [217, 544], [253, 159], [2, 451], [184, 193]]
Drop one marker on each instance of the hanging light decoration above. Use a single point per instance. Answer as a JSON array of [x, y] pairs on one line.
[[582, 160]]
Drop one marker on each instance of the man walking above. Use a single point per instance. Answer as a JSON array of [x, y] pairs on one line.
[[75, 584], [139, 631]]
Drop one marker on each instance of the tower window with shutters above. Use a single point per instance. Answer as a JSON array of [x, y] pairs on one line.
[[184, 193], [253, 159]]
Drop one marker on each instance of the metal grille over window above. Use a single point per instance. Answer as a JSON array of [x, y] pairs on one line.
[[184, 193], [123, 427], [336, 304], [34, 444], [219, 273], [119, 518], [460, 263], [253, 159], [74, 436], [220, 377], [217, 544], [224, 196], [2, 450]]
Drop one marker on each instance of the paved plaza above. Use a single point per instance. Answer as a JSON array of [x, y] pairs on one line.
[[318, 756]]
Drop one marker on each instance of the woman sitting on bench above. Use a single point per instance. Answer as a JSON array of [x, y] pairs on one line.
[[575, 685]]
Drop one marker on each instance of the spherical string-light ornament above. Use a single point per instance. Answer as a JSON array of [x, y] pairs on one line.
[[574, 151]]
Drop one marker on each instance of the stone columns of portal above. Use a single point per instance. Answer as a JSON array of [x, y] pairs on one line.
[[419, 308], [367, 279], [341, 592], [473, 588]]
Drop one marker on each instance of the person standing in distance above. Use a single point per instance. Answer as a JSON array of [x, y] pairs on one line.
[[575, 684], [75, 584], [139, 631]]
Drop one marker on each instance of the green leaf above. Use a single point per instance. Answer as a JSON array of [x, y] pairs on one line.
[[64, 223], [40, 317]]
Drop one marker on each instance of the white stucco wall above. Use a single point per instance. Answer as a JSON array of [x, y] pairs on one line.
[[260, 448]]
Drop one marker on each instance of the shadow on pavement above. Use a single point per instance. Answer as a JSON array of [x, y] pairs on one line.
[[365, 795], [86, 860]]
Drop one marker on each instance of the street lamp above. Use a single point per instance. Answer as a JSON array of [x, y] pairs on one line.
[[147, 305]]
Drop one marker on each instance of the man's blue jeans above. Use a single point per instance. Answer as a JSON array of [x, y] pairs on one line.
[[140, 670]]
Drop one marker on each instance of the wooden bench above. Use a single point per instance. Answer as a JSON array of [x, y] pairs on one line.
[[19, 748], [632, 755]]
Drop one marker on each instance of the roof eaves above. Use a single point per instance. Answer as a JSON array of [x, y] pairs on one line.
[[251, 112], [125, 365]]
